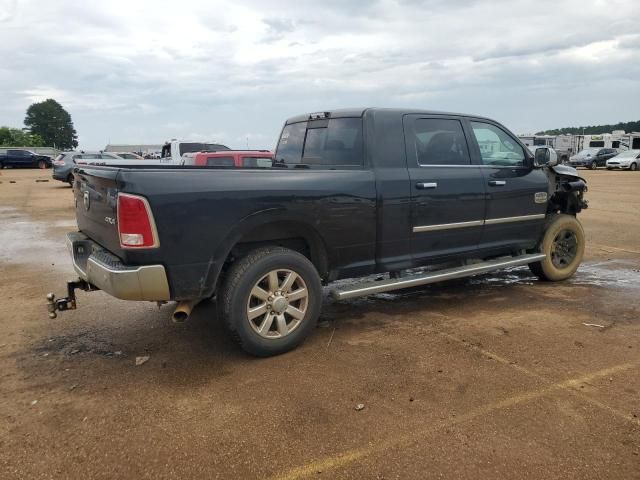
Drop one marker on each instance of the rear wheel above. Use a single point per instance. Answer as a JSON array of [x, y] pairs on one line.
[[70, 180], [593, 165], [563, 246], [633, 167], [42, 164], [270, 300]]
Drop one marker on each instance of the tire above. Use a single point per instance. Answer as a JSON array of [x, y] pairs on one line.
[[42, 164], [1, 165], [563, 244], [609, 168], [633, 167], [70, 180], [593, 165], [281, 330]]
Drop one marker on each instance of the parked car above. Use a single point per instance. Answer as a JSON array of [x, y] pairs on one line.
[[231, 159], [628, 160], [592, 157], [16, 157], [64, 163], [456, 193]]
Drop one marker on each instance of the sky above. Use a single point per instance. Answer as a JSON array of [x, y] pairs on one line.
[[145, 71]]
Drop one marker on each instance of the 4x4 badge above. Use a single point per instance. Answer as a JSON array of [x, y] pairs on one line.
[[541, 197]]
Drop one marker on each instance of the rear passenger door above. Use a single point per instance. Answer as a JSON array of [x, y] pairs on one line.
[[516, 192], [447, 190]]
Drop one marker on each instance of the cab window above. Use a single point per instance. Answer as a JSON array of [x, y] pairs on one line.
[[439, 141], [497, 147], [323, 143]]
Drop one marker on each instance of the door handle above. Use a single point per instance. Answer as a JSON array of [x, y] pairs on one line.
[[497, 183], [425, 186]]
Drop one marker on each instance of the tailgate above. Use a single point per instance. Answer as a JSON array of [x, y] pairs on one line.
[[96, 195]]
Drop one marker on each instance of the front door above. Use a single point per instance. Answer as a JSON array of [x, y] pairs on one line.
[[517, 193], [447, 190]]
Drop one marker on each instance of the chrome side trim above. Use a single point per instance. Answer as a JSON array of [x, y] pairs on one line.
[[522, 218], [448, 226], [477, 223], [433, 277]]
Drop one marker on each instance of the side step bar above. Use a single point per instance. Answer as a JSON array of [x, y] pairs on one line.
[[382, 286]]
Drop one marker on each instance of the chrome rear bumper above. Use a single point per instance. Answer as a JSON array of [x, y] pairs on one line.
[[104, 270]]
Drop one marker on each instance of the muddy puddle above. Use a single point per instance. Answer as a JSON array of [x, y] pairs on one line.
[[26, 241]]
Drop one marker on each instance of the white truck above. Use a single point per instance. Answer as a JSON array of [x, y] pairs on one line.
[[173, 151]]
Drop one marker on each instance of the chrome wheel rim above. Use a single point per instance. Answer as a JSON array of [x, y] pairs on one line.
[[564, 249], [277, 304]]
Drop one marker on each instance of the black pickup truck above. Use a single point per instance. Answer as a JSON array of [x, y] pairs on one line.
[[412, 196]]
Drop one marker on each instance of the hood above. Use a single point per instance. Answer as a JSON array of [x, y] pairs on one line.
[[567, 171]]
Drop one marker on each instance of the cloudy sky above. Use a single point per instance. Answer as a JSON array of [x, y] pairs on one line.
[[143, 71]]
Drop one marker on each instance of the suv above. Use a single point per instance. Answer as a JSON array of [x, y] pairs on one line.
[[13, 157], [64, 163], [231, 159], [592, 158]]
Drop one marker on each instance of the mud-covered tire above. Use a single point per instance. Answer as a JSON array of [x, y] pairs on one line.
[[237, 293], [561, 261]]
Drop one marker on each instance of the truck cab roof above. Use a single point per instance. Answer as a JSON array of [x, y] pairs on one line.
[[361, 111]]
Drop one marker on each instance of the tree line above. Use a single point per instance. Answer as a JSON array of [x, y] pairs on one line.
[[594, 129], [47, 124]]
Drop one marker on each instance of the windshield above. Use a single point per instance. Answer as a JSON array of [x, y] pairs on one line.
[[588, 151], [629, 154], [201, 147]]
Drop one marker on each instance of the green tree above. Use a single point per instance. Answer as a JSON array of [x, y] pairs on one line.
[[594, 129], [52, 123], [14, 137]]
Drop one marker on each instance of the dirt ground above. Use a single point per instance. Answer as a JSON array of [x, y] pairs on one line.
[[499, 376]]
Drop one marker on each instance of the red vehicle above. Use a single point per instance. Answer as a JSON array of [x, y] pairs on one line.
[[231, 158]]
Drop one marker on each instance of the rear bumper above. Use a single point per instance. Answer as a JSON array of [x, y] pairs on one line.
[[61, 173], [104, 270]]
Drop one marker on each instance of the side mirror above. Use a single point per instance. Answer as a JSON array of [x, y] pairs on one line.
[[545, 157]]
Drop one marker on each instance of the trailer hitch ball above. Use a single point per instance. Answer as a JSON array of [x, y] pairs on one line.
[[69, 302]]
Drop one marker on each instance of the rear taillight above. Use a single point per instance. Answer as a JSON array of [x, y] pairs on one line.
[[136, 227], [59, 163]]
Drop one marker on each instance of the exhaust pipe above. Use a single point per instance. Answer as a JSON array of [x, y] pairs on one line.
[[183, 311]]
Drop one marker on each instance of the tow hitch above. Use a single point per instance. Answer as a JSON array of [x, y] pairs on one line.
[[69, 302]]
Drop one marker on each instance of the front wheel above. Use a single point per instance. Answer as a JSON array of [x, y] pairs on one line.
[[633, 167], [271, 300], [563, 246]]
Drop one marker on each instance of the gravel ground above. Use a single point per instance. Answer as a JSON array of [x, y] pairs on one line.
[[491, 377]]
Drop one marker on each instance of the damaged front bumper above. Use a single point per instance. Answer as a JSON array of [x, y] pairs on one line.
[[99, 269]]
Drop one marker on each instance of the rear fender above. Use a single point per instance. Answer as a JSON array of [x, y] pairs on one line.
[[273, 220]]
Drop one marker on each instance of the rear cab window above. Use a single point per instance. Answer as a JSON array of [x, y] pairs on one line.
[[324, 143], [257, 162], [220, 161]]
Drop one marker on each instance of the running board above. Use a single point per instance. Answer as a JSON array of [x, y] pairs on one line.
[[382, 286]]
